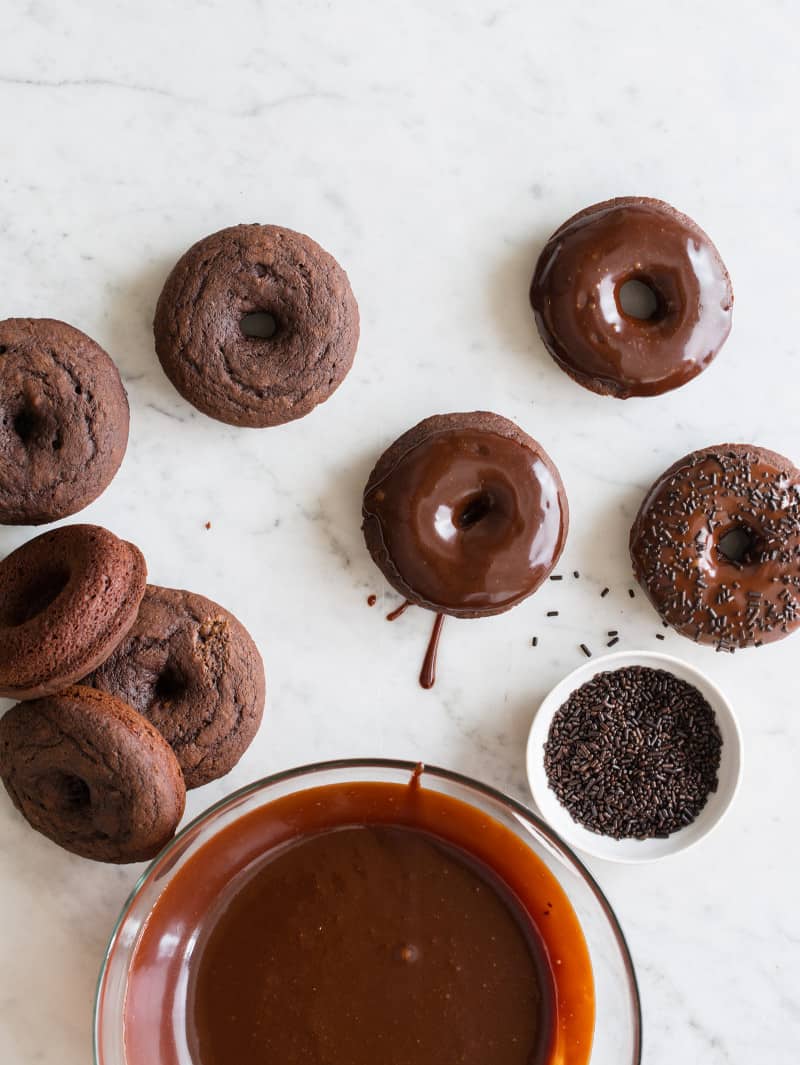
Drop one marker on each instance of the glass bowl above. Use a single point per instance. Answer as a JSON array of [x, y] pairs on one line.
[[617, 1036]]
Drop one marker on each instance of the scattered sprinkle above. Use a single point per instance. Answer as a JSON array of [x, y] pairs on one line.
[[604, 593], [552, 614], [372, 600], [613, 632], [660, 636], [612, 642], [586, 650], [207, 525], [631, 593], [535, 641], [556, 577], [576, 574]]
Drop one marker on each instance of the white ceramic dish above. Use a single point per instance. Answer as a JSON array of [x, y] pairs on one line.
[[634, 850]]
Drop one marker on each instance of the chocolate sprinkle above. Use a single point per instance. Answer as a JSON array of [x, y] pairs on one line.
[[634, 753], [604, 593], [552, 614], [586, 650]]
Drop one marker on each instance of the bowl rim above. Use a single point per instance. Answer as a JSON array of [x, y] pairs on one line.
[[573, 680], [403, 765]]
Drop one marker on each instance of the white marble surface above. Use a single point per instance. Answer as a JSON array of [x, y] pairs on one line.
[[431, 148]]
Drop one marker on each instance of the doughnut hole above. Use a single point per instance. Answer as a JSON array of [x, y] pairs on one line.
[[473, 511], [480, 518], [34, 596], [739, 545], [35, 426], [170, 684], [27, 424], [259, 325], [651, 298], [65, 792], [639, 298]]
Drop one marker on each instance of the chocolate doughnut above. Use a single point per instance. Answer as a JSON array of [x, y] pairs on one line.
[[63, 420], [256, 325], [465, 514], [577, 298], [67, 598], [716, 546], [92, 775], [193, 670]]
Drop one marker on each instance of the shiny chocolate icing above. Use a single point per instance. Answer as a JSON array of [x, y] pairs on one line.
[[465, 514], [716, 546], [372, 944], [576, 288]]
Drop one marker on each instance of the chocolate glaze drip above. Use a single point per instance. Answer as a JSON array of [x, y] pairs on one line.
[[575, 296], [716, 546], [398, 611], [427, 676], [416, 777]]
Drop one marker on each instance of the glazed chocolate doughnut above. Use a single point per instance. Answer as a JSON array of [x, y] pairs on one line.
[[465, 514], [716, 546], [193, 670], [63, 420], [287, 285], [92, 775], [576, 298], [67, 598]]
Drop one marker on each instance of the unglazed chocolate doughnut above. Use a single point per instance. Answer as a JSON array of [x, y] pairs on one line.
[[279, 373], [465, 514], [91, 774], [716, 546], [67, 598], [63, 420], [576, 289], [193, 670]]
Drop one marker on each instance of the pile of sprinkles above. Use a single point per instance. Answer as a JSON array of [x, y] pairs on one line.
[[634, 753], [679, 552]]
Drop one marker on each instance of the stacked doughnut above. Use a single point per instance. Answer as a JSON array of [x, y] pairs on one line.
[[132, 693], [129, 693]]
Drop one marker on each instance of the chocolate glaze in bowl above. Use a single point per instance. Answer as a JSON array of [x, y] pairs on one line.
[[557, 920]]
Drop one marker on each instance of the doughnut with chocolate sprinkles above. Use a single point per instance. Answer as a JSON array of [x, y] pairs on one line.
[[716, 546]]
